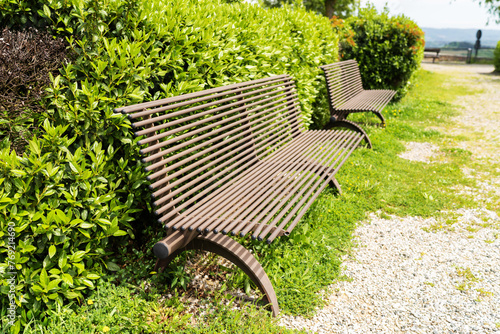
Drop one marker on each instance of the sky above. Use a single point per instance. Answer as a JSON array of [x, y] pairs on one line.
[[440, 13]]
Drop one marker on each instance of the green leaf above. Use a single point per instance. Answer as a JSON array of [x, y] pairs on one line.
[[56, 79], [112, 266], [37, 288], [84, 232], [28, 249], [54, 271], [61, 216], [46, 10], [80, 266], [137, 184], [77, 256], [119, 233], [104, 221], [17, 326], [75, 222], [63, 259], [71, 295], [53, 284], [18, 172], [52, 296], [74, 168], [44, 278], [35, 148], [247, 287], [5, 200], [93, 276], [88, 283], [52, 251], [67, 278]]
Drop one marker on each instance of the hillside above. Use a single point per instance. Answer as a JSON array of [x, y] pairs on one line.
[[436, 37]]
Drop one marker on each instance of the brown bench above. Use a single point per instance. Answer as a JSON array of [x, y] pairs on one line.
[[346, 95], [234, 160], [432, 53]]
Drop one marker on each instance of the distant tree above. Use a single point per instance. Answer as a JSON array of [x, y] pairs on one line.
[[459, 45], [493, 7], [329, 8]]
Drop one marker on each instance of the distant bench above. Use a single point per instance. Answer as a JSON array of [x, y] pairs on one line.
[[346, 96], [432, 53]]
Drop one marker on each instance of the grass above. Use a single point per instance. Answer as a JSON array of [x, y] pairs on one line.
[[468, 281], [133, 300], [119, 309]]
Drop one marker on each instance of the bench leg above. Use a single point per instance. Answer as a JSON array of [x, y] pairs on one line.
[[351, 126], [335, 184], [233, 251], [379, 115]]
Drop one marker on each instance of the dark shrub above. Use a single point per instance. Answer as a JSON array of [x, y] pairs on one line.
[[27, 59]]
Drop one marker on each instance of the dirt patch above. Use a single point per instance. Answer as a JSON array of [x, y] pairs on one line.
[[422, 152]]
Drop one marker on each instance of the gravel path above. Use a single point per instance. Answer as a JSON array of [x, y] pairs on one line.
[[406, 279], [480, 120], [414, 275]]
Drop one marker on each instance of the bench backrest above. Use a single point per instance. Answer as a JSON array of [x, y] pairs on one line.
[[197, 142], [343, 81]]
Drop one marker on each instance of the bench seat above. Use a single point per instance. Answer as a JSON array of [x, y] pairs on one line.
[[369, 100], [234, 160], [269, 196]]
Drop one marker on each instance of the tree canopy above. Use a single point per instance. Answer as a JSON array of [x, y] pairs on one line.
[[493, 7], [329, 8]]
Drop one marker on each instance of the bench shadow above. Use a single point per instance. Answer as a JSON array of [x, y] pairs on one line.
[[375, 124], [493, 74]]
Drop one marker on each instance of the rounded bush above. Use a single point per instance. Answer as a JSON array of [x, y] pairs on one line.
[[496, 57], [388, 49]]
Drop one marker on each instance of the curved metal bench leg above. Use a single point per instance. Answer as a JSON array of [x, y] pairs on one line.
[[228, 248], [379, 115], [351, 126], [335, 184]]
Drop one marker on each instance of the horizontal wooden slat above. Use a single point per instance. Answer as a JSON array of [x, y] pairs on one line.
[[224, 90]]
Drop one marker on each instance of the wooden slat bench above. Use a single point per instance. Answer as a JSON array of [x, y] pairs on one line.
[[432, 53], [234, 160], [346, 95]]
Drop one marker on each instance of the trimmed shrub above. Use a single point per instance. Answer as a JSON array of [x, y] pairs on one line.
[[388, 49], [77, 189], [496, 57], [59, 210]]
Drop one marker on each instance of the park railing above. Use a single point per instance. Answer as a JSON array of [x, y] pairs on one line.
[[468, 55]]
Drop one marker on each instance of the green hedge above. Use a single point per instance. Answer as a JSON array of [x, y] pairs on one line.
[[388, 49], [496, 57], [77, 190], [64, 208]]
